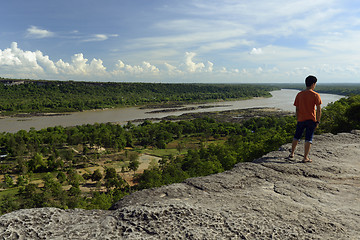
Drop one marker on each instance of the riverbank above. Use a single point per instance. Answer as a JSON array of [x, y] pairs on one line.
[[161, 107], [281, 99], [233, 116]]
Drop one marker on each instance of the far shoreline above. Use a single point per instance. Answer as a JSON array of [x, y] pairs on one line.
[[161, 105]]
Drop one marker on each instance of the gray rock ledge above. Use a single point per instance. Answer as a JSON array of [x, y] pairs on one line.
[[270, 198]]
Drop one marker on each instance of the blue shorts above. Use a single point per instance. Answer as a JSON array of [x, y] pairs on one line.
[[309, 126]]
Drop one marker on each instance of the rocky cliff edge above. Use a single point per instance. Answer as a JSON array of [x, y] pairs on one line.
[[270, 198]]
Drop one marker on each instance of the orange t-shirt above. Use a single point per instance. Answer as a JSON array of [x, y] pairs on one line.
[[306, 101]]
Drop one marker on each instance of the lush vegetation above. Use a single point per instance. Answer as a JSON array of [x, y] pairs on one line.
[[348, 89], [342, 115], [93, 166], [30, 96], [46, 163]]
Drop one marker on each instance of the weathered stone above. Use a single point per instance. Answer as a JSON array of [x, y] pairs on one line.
[[270, 198]]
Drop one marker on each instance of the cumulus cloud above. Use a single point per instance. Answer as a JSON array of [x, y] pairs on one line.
[[150, 68], [8, 56], [256, 51], [223, 70], [22, 61], [80, 66], [172, 70], [18, 63], [210, 66], [170, 67], [191, 66], [14, 61], [146, 67], [35, 32]]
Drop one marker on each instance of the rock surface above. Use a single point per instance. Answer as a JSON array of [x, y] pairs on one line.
[[270, 198]]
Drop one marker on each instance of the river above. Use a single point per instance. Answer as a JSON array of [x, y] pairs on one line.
[[282, 99]]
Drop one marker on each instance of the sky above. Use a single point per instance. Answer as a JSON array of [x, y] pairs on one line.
[[190, 41]]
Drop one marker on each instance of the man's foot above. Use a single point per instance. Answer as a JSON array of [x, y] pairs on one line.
[[307, 160], [291, 156]]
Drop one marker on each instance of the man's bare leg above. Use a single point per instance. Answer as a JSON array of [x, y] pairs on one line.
[[293, 147], [307, 151]]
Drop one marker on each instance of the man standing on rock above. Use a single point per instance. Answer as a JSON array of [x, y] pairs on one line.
[[308, 118]]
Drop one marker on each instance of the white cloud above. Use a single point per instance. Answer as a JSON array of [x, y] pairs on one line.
[[192, 66], [256, 51], [99, 37], [35, 32], [146, 67], [8, 57], [210, 66], [208, 39], [170, 67], [150, 68], [46, 63], [14, 61], [223, 70], [223, 45], [345, 43], [21, 61], [79, 66], [273, 64], [172, 70], [38, 33]]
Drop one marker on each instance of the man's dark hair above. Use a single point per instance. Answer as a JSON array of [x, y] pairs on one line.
[[310, 80]]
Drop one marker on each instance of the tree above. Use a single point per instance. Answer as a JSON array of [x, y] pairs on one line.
[[51, 186], [61, 176], [37, 163], [85, 150], [8, 204], [179, 147], [21, 165], [74, 178], [9, 181], [30, 196], [353, 114], [96, 176], [21, 181], [110, 173], [113, 179], [101, 200], [133, 161]]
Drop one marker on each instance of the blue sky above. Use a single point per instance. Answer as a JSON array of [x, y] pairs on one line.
[[212, 41]]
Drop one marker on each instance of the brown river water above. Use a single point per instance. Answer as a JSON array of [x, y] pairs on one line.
[[282, 99]]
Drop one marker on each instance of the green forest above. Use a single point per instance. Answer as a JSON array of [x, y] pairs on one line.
[[41, 96], [345, 89], [92, 166], [46, 163], [41, 168], [33, 96]]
